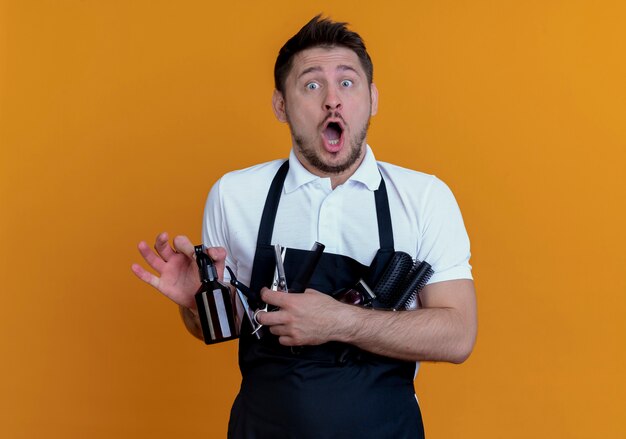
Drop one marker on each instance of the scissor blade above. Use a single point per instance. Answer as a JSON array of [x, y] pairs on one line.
[[249, 313], [280, 278]]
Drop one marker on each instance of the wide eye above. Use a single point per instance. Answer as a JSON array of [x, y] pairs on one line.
[[346, 83], [312, 86]]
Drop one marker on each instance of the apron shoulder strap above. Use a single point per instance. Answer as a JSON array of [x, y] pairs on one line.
[[266, 228], [385, 230]]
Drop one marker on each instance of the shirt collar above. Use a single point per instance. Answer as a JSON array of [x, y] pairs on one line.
[[367, 173]]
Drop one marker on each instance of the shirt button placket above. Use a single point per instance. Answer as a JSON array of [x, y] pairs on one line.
[[328, 229]]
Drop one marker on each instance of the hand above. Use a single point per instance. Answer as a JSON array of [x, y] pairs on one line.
[[310, 318], [179, 279]]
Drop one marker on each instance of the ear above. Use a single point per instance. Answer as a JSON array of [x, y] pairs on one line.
[[374, 98], [278, 104]]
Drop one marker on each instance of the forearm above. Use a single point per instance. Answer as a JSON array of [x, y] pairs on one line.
[[432, 334], [443, 330], [191, 321]]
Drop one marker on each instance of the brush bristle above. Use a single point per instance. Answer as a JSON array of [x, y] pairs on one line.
[[390, 283], [413, 284]]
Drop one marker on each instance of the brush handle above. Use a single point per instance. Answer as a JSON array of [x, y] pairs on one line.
[[301, 282]]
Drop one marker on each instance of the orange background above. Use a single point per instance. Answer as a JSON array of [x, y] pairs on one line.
[[116, 117]]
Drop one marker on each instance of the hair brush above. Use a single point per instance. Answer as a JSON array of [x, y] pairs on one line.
[[413, 284], [392, 279]]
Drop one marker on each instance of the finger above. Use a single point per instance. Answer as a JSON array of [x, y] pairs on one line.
[[278, 330], [182, 244], [162, 246], [270, 318], [145, 275], [281, 331], [287, 340], [278, 298], [218, 255], [275, 318], [152, 259]]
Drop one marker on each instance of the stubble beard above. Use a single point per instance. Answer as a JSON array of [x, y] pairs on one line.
[[310, 154]]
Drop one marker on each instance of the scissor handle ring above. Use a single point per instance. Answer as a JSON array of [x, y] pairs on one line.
[[256, 313]]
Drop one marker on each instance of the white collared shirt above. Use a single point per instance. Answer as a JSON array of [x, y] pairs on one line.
[[426, 220]]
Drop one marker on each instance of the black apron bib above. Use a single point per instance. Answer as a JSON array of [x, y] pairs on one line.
[[329, 391]]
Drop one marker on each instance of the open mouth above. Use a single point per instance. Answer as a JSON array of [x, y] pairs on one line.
[[333, 134]]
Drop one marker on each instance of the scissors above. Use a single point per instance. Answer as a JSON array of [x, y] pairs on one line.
[[280, 280], [247, 298], [279, 284]]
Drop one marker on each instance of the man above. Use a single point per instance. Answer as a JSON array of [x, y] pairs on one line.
[[329, 369]]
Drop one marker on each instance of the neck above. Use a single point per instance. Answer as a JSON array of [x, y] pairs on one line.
[[336, 178]]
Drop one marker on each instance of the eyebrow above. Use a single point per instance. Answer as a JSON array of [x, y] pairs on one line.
[[342, 67]]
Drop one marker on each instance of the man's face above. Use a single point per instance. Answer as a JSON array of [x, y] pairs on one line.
[[327, 104]]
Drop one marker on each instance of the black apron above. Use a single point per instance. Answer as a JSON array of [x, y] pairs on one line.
[[329, 391]]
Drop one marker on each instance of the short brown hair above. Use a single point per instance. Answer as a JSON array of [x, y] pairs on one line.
[[320, 32]]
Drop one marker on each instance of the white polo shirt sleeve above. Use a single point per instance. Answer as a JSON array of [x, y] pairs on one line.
[[214, 233], [444, 242]]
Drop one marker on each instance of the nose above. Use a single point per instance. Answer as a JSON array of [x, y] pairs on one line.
[[332, 100]]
